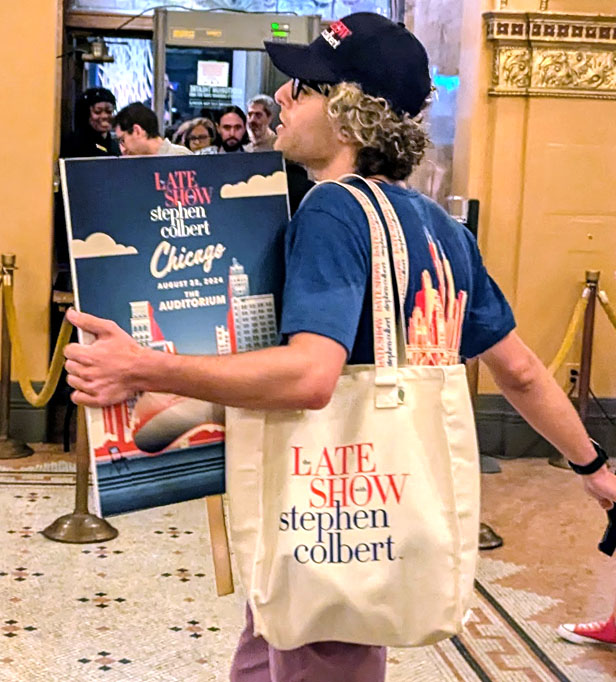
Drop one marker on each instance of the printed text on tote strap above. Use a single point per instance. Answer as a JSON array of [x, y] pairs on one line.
[[384, 319], [399, 249]]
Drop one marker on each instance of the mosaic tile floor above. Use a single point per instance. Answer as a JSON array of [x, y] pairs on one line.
[[143, 607]]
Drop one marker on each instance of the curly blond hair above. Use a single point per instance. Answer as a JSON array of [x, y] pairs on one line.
[[389, 144]]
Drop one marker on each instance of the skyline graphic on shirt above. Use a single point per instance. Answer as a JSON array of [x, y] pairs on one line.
[[435, 325]]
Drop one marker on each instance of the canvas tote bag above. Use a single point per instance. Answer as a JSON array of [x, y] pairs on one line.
[[359, 522]]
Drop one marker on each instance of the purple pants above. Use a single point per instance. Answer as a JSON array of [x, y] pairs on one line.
[[256, 661]]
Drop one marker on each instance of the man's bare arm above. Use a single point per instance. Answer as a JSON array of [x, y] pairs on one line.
[[531, 389], [302, 375]]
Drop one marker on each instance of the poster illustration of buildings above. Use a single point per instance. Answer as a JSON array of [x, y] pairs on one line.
[[186, 255]]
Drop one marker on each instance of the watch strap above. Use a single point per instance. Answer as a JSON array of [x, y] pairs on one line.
[[595, 465]]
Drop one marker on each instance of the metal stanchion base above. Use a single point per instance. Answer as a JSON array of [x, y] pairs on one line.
[[488, 539], [14, 449], [557, 460], [80, 528]]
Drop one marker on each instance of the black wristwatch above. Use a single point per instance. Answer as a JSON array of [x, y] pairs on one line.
[[595, 465]]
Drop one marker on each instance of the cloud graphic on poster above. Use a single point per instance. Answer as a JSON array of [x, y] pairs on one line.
[[256, 186], [100, 244]]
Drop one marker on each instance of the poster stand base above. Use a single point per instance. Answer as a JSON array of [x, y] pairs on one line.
[[80, 528], [14, 449]]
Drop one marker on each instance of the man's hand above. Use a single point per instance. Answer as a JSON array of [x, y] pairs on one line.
[[101, 373], [602, 486]]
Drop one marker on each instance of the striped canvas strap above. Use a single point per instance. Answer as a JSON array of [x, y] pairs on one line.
[[400, 254], [389, 336]]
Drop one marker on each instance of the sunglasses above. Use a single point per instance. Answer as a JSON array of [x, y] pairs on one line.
[[300, 85]]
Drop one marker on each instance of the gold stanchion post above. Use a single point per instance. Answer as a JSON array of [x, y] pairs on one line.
[[9, 447], [583, 384], [81, 527], [592, 282]]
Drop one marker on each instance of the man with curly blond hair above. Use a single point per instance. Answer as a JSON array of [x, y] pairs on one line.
[[352, 106]]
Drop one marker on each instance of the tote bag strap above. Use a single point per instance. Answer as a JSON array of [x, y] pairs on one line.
[[400, 255], [388, 333]]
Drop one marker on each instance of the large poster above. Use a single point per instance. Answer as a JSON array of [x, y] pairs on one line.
[[185, 253]]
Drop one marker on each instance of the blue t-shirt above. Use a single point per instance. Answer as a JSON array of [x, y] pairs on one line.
[[328, 274]]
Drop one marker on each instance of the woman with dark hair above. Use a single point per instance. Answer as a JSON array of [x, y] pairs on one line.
[[92, 136], [94, 110]]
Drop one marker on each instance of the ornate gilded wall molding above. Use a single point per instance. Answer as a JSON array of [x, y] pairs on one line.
[[552, 54]]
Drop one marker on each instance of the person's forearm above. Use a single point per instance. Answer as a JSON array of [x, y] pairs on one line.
[[557, 421], [273, 378]]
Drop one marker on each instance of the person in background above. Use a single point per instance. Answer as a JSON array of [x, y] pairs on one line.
[[261, 110], [232, 136], [92, 135], [178, 136], [200, 133], [136, 128]]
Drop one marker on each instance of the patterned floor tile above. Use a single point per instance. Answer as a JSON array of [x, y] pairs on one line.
[[522, 607], [142, 608]]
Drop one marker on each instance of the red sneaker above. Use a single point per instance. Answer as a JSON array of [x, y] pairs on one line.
[[589, 633]]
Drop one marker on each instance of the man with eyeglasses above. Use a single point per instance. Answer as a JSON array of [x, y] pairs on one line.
[[353, 106], [136, 129]]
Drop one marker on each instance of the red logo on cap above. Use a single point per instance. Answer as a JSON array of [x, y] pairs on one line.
[[336, 33]]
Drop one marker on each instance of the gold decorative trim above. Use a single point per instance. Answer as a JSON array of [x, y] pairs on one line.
[[552, 54]]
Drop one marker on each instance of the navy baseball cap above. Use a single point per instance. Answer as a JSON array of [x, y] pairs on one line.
[[383, 57]]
